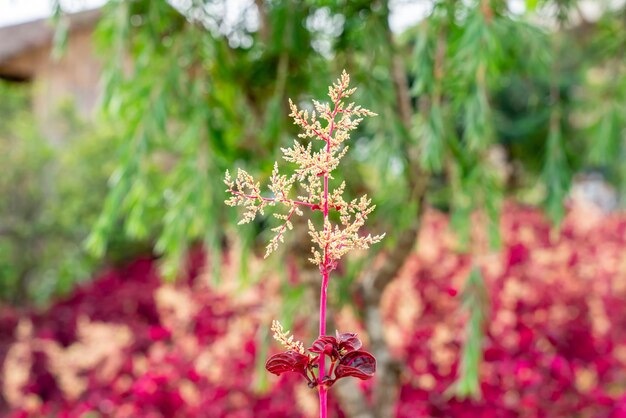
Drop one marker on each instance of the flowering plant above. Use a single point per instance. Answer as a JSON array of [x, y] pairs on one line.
[[331, 124]]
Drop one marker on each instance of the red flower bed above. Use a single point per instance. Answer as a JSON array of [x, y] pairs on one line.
[[127, 345]]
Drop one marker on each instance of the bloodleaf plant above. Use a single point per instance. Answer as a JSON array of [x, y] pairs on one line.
[[329, 125]]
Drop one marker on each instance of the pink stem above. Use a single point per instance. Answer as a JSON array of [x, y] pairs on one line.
[[323, 402], [323, 391], [271, 199], [282, 229], [332, 368], [318, 133]]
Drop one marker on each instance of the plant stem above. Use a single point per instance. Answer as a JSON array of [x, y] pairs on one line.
[[323, 392], [324, 290], [272, 199], [323, 403], [323, 293]]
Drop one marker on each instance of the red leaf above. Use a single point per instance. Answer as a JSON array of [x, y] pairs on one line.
[[319, 345], [348, 342], [359, 364], [344, 343], [289, 361]]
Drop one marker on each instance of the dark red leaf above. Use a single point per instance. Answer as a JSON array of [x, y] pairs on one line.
[[359, 364], [320, 344], [348, 342], [289, 361]]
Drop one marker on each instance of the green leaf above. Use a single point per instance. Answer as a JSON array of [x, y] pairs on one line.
[[605, 142], [556, 174], [475, 302], [432, 138]]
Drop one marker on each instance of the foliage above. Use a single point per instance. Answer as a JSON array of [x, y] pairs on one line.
[[221, 102], [477, 101], [474, 294], [495, 106], [45, 211], [554, 345]]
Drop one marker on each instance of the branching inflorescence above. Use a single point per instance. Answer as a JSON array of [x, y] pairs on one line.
[[330, 123]]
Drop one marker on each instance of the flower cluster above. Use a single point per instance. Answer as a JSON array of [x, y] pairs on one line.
[[285, 339], [315, 167], [343, 351]]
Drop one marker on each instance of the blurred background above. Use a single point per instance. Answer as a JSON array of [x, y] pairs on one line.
[[496, 164]]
